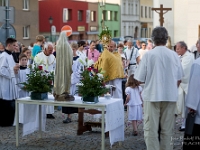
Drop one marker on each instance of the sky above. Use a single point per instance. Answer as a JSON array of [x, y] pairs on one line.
[[107, 1]]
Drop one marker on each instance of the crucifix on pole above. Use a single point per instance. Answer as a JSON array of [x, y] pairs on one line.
[[161, 11]]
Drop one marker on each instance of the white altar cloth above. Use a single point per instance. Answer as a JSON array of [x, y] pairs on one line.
[[114, 117]]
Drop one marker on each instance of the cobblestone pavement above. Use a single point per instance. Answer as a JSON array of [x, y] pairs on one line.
[[59, 136]]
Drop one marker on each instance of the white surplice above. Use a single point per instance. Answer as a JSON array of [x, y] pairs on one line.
[[48, 63], [193, 96], [8, 87], [186, 61], [22, 77], [77, 69]]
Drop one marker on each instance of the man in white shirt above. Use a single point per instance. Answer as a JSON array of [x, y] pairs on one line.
[[143, 50], [160, 70], [132, 57], [48, 61], [8, 87], [187, 59]]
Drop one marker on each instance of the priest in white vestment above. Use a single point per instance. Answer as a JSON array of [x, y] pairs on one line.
[[8, 87], [186, 59], [191, 142], [48, 61], [161, 71]]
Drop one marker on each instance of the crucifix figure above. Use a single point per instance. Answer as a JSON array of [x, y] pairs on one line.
[[161, 11]]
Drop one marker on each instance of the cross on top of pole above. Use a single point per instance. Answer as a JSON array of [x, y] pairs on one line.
[[161, 11]]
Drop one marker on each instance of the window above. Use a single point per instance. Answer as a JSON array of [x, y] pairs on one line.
[[93, 16], [142, 11], [80, 15], [149, 12], [136, 9], [26, 30], [132, 9], [67, 14], [124, 8], [145, 12], [25, 4], [2, 2], [149, 32], [115, 33], [104, 15], [115, 16], [109, 15]]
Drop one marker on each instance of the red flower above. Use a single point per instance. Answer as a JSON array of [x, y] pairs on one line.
[[89, 69], [50, 82], [95, 70], [40, 67]]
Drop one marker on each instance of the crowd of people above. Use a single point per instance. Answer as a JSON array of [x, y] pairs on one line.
[[155, 82]]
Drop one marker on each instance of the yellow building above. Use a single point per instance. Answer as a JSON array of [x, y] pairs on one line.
[[146, 18]]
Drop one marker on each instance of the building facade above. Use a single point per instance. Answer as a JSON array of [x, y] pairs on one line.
[[130, 18], [72, 13], [25, 19], [93, 27], [109, 14], [183, 22], [146, 18]]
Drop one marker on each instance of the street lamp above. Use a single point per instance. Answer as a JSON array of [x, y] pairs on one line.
[[50, 22]]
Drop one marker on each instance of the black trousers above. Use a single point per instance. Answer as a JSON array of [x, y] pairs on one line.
[[192, 142], [7, 112]]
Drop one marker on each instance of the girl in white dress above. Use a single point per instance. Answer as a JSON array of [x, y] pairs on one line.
[[134, 102]]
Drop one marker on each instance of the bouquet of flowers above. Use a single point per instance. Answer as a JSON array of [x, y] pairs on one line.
[[39, 80], [92, 81]]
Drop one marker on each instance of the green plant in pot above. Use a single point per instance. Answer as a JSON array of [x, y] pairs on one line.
[[39, 83], [92, 84]]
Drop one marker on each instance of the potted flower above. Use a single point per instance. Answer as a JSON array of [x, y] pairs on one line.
[[39, 83], [92, 84]]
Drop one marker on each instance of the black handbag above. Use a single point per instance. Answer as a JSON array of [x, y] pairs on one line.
[[190, 123]]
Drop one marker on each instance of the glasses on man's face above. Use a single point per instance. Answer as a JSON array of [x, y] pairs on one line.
[[143, 45]]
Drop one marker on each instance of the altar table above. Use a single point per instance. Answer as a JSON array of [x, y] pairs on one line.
[[113, 119]]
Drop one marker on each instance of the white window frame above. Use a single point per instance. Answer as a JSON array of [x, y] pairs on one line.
[[26, 32], [65, 15], [93, 16], [26, 5]]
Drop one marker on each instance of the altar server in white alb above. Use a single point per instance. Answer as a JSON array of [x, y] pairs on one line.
[[21, 78], [160, 69], [191, 142], [48, 61], [8, 87], [186, 59]]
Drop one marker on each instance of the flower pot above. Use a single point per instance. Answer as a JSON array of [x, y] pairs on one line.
[[39, 96], [90, 99]]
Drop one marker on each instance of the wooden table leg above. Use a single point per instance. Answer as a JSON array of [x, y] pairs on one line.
[[81, 127]]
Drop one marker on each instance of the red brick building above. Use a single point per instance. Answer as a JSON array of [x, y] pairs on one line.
[[64, 12]]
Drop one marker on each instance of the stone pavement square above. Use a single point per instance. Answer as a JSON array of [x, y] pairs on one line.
[[59, 136]]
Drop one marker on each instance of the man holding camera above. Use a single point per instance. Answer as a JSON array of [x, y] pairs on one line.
[[132, 56]]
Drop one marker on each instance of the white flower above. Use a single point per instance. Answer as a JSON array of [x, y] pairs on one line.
[[90, 63], [108, 86], [100, 75], [79, 84]]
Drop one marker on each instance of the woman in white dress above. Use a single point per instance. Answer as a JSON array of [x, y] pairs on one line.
[[134, 102]]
